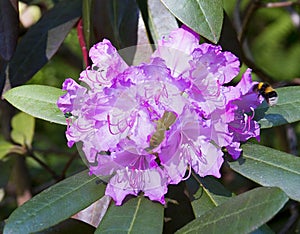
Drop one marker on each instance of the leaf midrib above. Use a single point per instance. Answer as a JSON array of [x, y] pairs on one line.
[[235, 213], [271, 164], [42, 207], [135, 215]]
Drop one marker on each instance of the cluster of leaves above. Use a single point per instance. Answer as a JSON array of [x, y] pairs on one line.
[[211, 205]]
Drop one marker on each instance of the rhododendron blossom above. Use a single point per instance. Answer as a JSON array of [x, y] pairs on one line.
[[150, 125]]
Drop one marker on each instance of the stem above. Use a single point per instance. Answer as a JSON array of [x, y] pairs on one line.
[[279, 4], [44, 165], [252, 7], [82, 43], [242, 28], [63, 174]]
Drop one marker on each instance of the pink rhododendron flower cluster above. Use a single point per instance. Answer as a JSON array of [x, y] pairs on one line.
[[150, 125]]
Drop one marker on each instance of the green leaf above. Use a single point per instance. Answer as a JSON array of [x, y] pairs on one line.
[[22, 129], [42, 40], [270, 167], [240, 214], [204, 17], [9, 21], [138, 215], [206, 193], [55, 204], [158, 13], [87, 7], [287, 110], [117, 21], [38, 101], [5, 148]]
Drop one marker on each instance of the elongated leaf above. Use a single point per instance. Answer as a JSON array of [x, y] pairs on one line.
[[87, 7], [270, 167], [287, 110], [117, 20], [138, 215], [207, 193], [158, 13], [42, 40], [38, 101], [204, 17], [9, 23], [55, 204], [240, 214], [22, 129]]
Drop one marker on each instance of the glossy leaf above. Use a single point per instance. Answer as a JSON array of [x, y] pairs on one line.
[[117, 21], [204, 17], [38, 101], [87, 7], [95, 212], [158, 13], [22, 129], [138, 215], [206, 193], [270, 167], [9, 23], [240, 214], [144, 49], [287, 110], [42, 40], [55, 204]]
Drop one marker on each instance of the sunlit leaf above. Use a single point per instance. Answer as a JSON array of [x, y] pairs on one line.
[[9, 21], [287, 110], [55, 204], [204, 17], [158, 13], [270, 167], [22, 129], [95, 212], [138, 215], [5, 148], [240, 214], [42, 40], [38, 101]]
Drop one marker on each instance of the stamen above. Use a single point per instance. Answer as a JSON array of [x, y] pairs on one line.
[[119, 178], [253, 112], [245, 122], [190, 172], [219, 89]]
